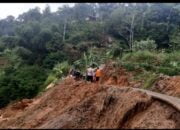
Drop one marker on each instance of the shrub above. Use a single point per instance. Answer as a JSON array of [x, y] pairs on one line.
[[129, 67], [150, 80], [53, 58], [51, 78], [25, 82], [172, 59], [166, 63], [61, 69], [142, 57], [147, 67], [169, 71], [147, 44]]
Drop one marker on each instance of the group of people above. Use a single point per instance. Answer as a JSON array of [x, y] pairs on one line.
[[92, 74]]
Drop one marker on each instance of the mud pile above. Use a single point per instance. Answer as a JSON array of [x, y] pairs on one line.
[[113, 108], [115, 75], [79, 104], [112, 103], [47, 106], [168, 85]]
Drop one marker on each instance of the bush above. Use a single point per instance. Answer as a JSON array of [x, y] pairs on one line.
[[150, 80], [25, 82], [142, 57], [53, 58], [169, 71], [51, 78], [145, 45], [23, 52], [83, 46], [61, 69], [147, 67], [129, 67], [172, 59], [166, 63]]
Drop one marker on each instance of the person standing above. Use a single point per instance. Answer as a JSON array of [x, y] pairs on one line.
[[89, 74], [98, 74]]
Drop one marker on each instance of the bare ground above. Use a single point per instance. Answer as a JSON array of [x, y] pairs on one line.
[[77, 104]]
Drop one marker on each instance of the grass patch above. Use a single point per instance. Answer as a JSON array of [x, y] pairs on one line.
[[129, 67], [169, 71], [150, 81], [165, 63], [51, 78]]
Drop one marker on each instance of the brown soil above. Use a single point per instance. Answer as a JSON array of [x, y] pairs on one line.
[[157, 115], [50, 104], [168, 85], [116, 75], [80, 104]]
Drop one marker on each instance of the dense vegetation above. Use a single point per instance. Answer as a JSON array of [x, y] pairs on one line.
[[37, 48]]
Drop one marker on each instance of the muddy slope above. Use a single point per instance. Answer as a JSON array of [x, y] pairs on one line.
[[168, 85], [86, 105], [80, 104], [113, 108]]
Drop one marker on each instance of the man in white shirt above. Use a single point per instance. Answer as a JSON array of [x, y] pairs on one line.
[[89, 74]]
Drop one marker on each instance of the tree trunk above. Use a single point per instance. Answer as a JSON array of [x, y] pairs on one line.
[[169, 17], [64, 31], [130, 41], [142, 22], [132, 33]]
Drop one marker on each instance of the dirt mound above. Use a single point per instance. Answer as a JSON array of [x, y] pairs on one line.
[[81, 104], [168, 85], [22, 104], [86, 105], [158, 115], [113, 108], [105, 109], [50, 104], [115, 75]]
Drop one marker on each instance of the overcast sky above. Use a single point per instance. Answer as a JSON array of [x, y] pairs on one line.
[[18, 8]]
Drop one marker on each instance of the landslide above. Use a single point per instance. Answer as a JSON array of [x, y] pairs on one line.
[[168, 85], [114, 74], [80, 104]]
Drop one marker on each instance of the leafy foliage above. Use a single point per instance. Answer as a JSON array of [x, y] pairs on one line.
[[145, 45], [166, 63], [22, 83]]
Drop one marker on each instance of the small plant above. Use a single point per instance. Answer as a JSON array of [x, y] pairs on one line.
[[150, 80], [169, 71], [129, 67], [51, 78], [61, 69]]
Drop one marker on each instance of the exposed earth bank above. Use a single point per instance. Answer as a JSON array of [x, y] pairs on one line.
[[111, 104]]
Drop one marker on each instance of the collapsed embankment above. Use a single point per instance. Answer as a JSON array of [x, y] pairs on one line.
[[74, 104], [168, 85], [80, 104]]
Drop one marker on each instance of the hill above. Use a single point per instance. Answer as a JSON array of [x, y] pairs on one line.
[[80, 104]]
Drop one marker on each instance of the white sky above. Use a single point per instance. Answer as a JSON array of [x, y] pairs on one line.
[[18, 8]]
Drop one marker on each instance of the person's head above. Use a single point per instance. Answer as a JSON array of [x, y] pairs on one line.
[[97, 67]]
